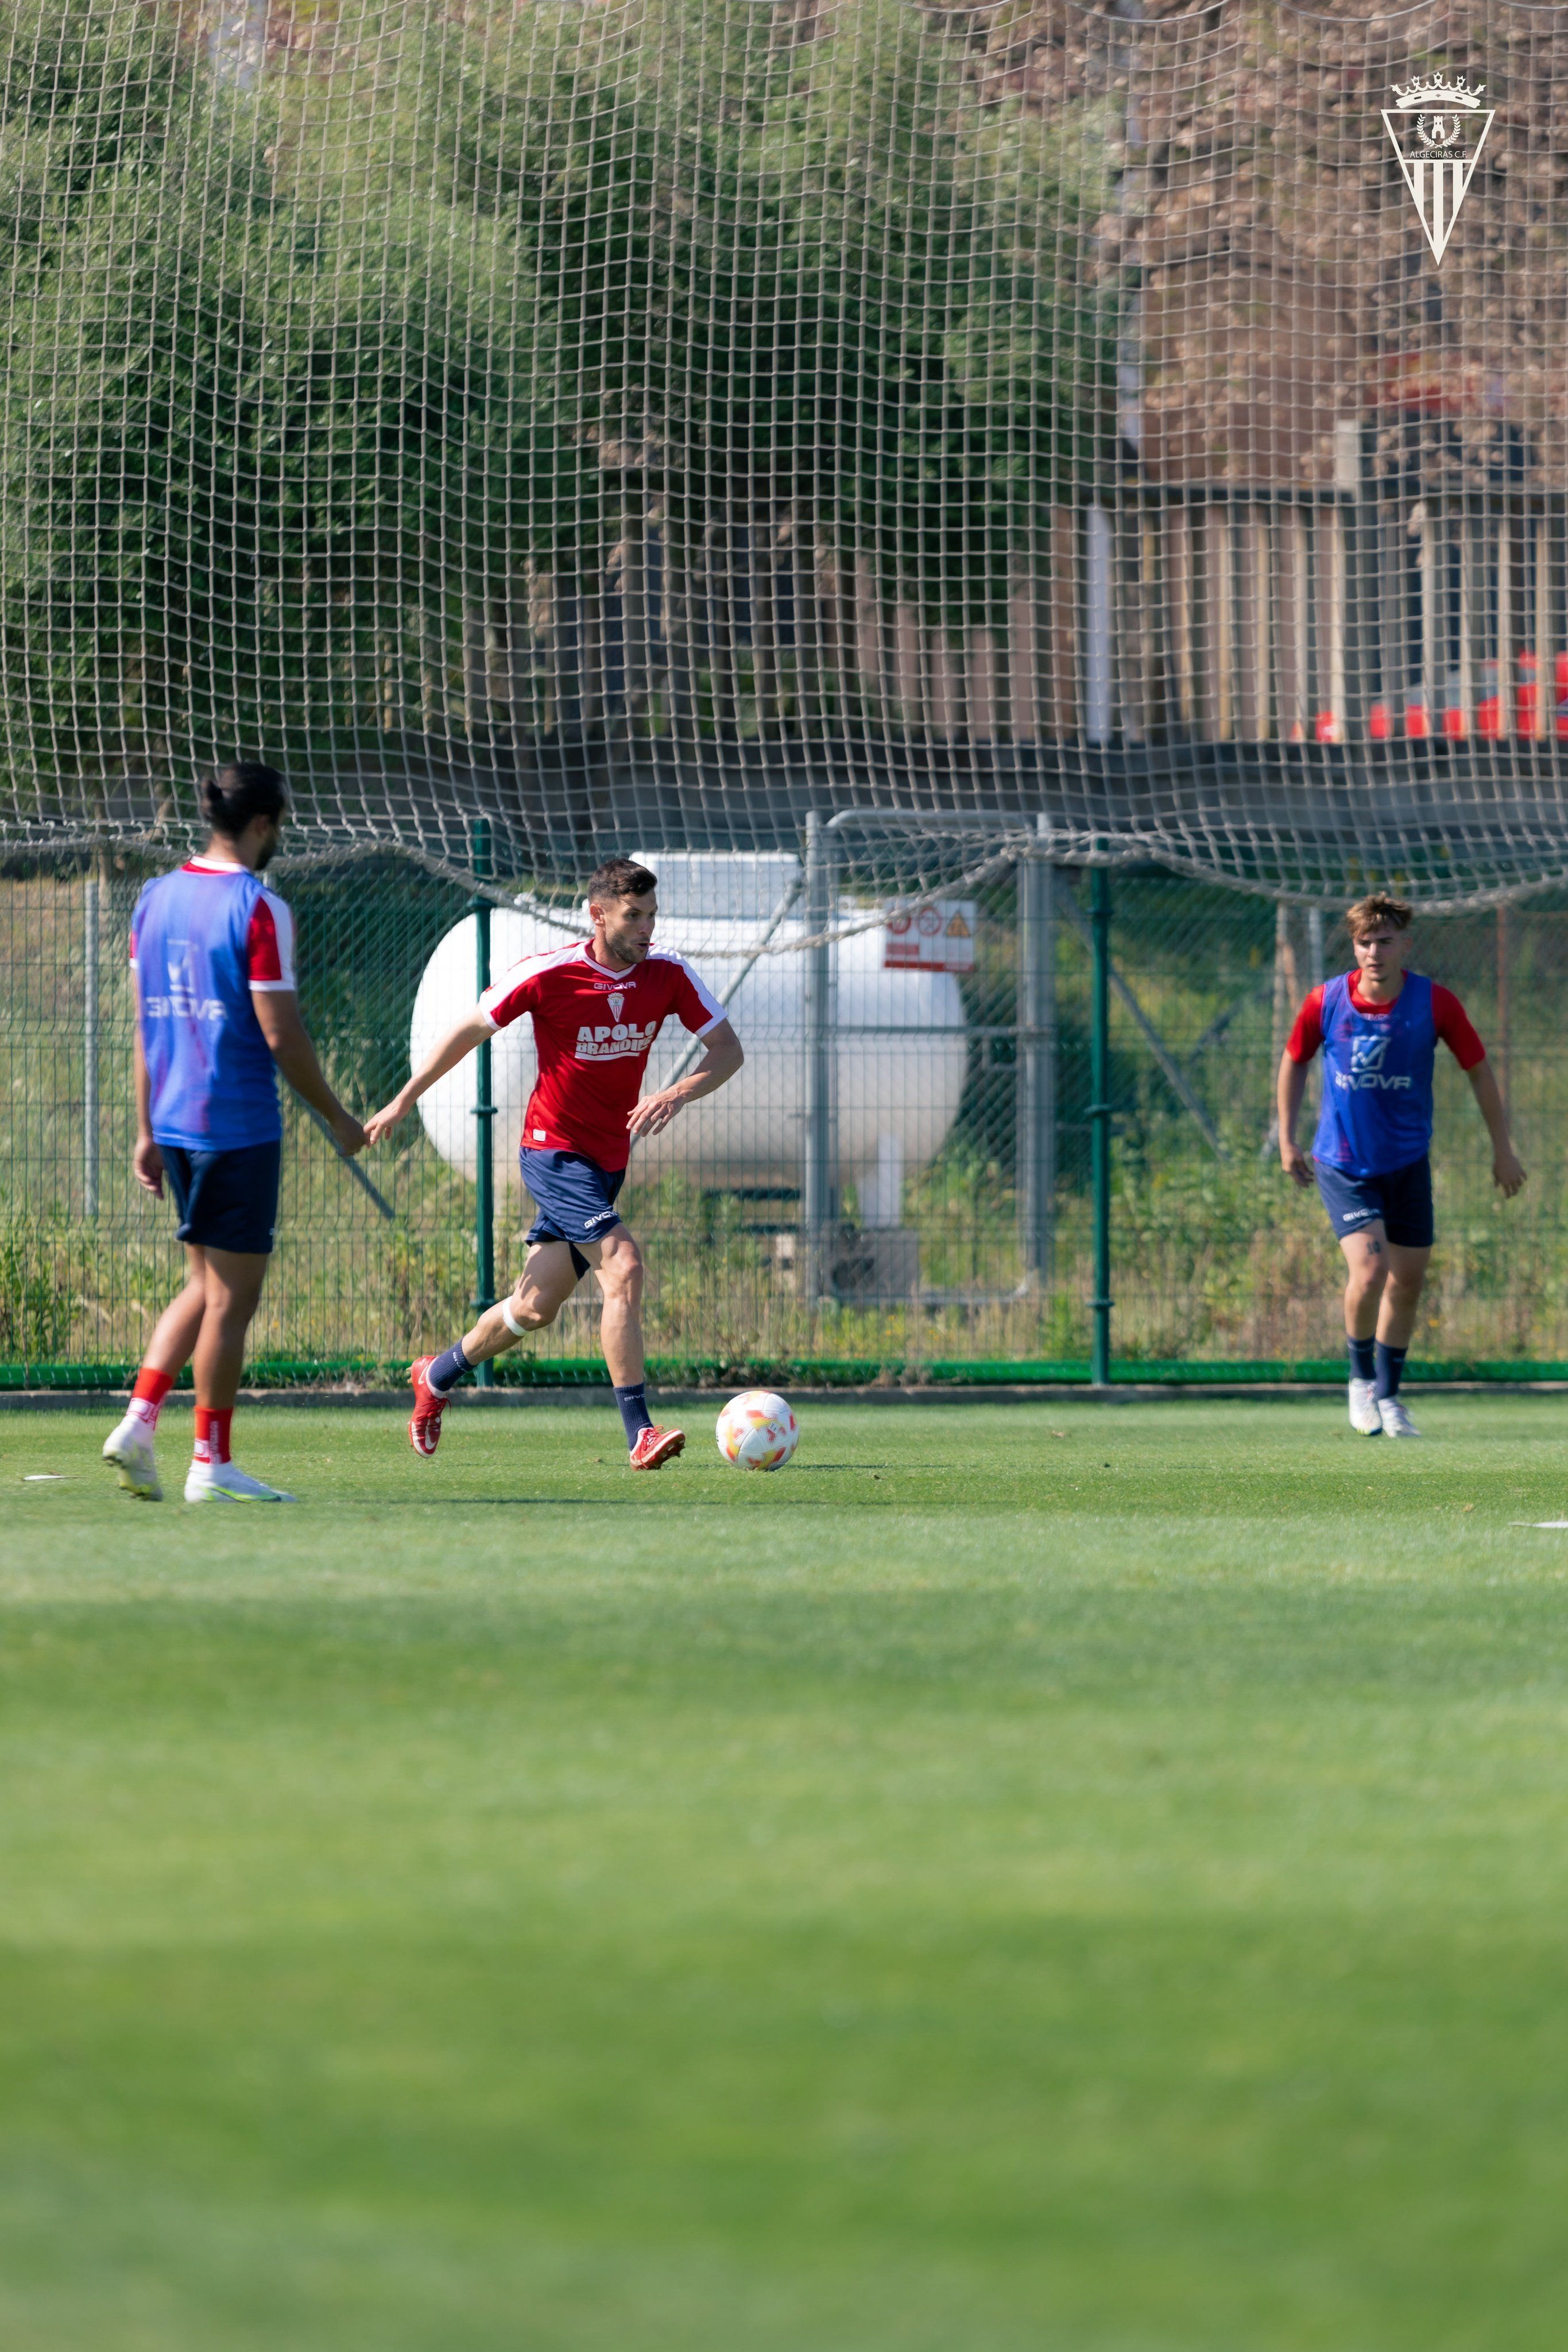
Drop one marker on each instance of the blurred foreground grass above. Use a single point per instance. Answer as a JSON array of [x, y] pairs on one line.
[[983, 1886]]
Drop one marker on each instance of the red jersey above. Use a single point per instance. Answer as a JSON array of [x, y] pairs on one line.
[[593, 1030], [1453, 1024]]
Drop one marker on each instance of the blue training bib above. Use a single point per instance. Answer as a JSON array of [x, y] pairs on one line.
[[1377, 1079], [214, 1084]]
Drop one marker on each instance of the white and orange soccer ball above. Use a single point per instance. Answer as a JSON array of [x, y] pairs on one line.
[[757, 1431]]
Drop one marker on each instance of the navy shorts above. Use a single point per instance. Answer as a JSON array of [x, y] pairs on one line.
[[575, 1198], [226, 1200], [1403, 1199]]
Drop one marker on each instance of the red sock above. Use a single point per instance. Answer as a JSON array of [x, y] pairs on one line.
[[212, 1433], [148, 1393]]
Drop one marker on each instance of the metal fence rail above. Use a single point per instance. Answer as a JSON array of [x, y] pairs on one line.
[[1057, 1162]]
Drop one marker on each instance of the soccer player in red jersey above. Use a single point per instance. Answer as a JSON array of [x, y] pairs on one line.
[[597, 1008], [1379, 1028]]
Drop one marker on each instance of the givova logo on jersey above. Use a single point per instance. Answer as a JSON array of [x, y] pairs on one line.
[[1367, 1055], [607, 1041], [184, 1003]]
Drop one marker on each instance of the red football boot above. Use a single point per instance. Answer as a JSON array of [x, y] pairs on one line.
[[654, 1447], [424, 1427]]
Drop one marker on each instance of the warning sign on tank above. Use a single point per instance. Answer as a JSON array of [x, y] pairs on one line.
[[935, 939]]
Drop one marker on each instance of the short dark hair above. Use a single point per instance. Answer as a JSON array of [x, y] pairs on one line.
[[1379, 907], [621, 877], [241, 789]]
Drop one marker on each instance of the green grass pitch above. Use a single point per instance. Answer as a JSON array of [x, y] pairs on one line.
[[1049, 1879]]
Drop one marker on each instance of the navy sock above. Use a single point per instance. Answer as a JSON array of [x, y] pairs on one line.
[[634, 1413], [448, 1369], [1390, 1364], [1363, 1358]]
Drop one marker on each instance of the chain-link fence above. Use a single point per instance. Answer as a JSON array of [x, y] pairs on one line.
[[902, 1185]]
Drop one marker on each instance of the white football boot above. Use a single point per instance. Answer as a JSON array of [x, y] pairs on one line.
[[225, 1482], [1365, 1417], [1396, 1422], [130, 1449]]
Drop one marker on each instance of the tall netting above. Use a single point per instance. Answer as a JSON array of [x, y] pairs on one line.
[[882, 462], [667, 417]]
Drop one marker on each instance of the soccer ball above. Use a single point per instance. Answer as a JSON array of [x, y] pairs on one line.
[[757, 1431]]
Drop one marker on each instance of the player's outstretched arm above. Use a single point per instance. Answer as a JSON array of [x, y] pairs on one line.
[[1291, 1088], [719, 1063], [455, 1047], [288, 1042], [1506, 1171]]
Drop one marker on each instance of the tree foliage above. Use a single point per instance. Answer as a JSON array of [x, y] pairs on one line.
[[818, 275], [291, 378]]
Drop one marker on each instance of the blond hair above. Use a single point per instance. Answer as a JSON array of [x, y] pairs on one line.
[[1378, 907]]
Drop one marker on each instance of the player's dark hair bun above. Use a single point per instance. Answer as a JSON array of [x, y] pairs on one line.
[[239, 791]]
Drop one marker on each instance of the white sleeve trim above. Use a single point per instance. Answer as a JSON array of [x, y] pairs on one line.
[[718, 1012], [496, 995], [513, 977]]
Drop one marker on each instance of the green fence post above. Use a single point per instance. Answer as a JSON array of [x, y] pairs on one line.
[[1036, 1143], [1099, 1118], [484, 1107]]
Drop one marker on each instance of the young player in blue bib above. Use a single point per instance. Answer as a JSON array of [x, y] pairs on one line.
[[212, 949], [1379, 1028]]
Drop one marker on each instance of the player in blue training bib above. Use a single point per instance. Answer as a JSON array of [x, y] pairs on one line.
[[1378, 1077], [212, 949], [1379, 1028]]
